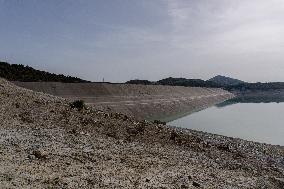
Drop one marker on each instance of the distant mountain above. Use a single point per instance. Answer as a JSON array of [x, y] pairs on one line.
[[176, 82], [18, 72], [186, 82], [225, 81], [233, 85]]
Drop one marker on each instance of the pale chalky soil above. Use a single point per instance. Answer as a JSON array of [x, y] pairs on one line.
[[46, 144]]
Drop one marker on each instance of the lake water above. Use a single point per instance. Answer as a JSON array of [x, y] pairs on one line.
[[246, 119]]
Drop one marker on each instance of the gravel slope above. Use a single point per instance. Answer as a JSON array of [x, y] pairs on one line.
[[46, 144], [142, 101]]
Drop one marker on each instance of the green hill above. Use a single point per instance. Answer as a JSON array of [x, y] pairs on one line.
[[177, 82], [225, 81], [18, 72]]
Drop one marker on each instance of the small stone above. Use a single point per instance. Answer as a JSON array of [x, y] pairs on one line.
[[279, 181], [125, 117], [40, 154], [31, 156], [173, 135], [89, 167], [195, 184], [74, 131], [183, 186]]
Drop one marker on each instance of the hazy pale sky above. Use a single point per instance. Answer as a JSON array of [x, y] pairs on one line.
[[147, 39]]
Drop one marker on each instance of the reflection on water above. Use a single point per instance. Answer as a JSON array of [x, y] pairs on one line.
[[256, 119], [252, 99]]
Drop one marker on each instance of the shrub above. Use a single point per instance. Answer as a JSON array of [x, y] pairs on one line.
[[78, 104], [159, 122]]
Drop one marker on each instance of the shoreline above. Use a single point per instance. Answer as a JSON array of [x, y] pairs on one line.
[[151, 102], [46, 143]]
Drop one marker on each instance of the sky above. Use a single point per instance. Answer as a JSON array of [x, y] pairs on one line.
[[119, 40]]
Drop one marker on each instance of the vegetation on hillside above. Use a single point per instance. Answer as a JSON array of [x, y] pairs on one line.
[[18, 72], [225, 81], [256, 86], [78, 104], [177, 82], [187, 82], [138, 81]]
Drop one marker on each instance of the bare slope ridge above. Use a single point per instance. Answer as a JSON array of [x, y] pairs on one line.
[[46, 144], [142, 101]]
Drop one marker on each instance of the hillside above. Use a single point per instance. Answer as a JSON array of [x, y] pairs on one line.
[[17, 72], [142, 101], [235, 86], [21, 73], [177, 82], [45, 143], [225, 81], [215, 82], [186, 82]]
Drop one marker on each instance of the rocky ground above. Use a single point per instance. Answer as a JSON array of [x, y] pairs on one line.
[[45, 143]]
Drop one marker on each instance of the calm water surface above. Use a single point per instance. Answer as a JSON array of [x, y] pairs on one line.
[[261, 122]]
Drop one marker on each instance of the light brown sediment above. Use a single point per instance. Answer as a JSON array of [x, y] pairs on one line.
[[141, 101], [44, 143]]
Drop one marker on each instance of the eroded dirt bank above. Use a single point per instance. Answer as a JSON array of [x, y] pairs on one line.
[[144, 102], [47, 144]]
